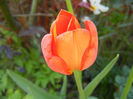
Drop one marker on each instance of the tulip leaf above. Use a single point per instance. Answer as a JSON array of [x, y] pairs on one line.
[[29, 87], [92, 85], [128, 85], [64, 88]]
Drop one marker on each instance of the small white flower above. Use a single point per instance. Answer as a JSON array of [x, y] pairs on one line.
[[96, 7]]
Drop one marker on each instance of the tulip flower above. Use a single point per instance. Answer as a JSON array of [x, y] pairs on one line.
[[69, 47]]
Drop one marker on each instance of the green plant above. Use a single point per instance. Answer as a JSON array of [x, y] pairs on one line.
[[120, 81]]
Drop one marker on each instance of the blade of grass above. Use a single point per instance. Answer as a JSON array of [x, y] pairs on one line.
[[92, 85], [4, 7], [29, 87], [64, 88], [128, 85], [33, 10]]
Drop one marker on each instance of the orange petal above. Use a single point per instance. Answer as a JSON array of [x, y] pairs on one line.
[[54, 62], [91, 52], [90, 26], [73, 24], [52, 26], [53, 30], [64, 22], [61, 24], [65, 13], [71, 45]]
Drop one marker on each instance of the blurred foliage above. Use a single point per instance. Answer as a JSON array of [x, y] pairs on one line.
[[28, 63]]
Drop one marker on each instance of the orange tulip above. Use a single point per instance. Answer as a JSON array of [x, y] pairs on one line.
[[68, 47]]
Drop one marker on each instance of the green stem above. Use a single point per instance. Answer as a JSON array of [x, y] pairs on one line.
[[8, 16], [33, 10], [80, 74], [69, 6], [128, 85], [79, 85]]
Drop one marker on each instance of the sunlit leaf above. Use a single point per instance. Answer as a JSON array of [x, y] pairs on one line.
[[29, 87], [93, 84]]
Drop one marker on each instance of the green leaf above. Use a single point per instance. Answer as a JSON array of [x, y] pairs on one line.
[[28, 97], [29, 87], [92, 85], [16, 95], [128, 85], [64, 88]]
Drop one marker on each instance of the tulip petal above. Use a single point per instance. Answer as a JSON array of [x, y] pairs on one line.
[[61, 24], [65, 13], [54, 62], [91, 52], [52, 27], [64, 22], [73, 24], [53, 30], [71, 45]]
